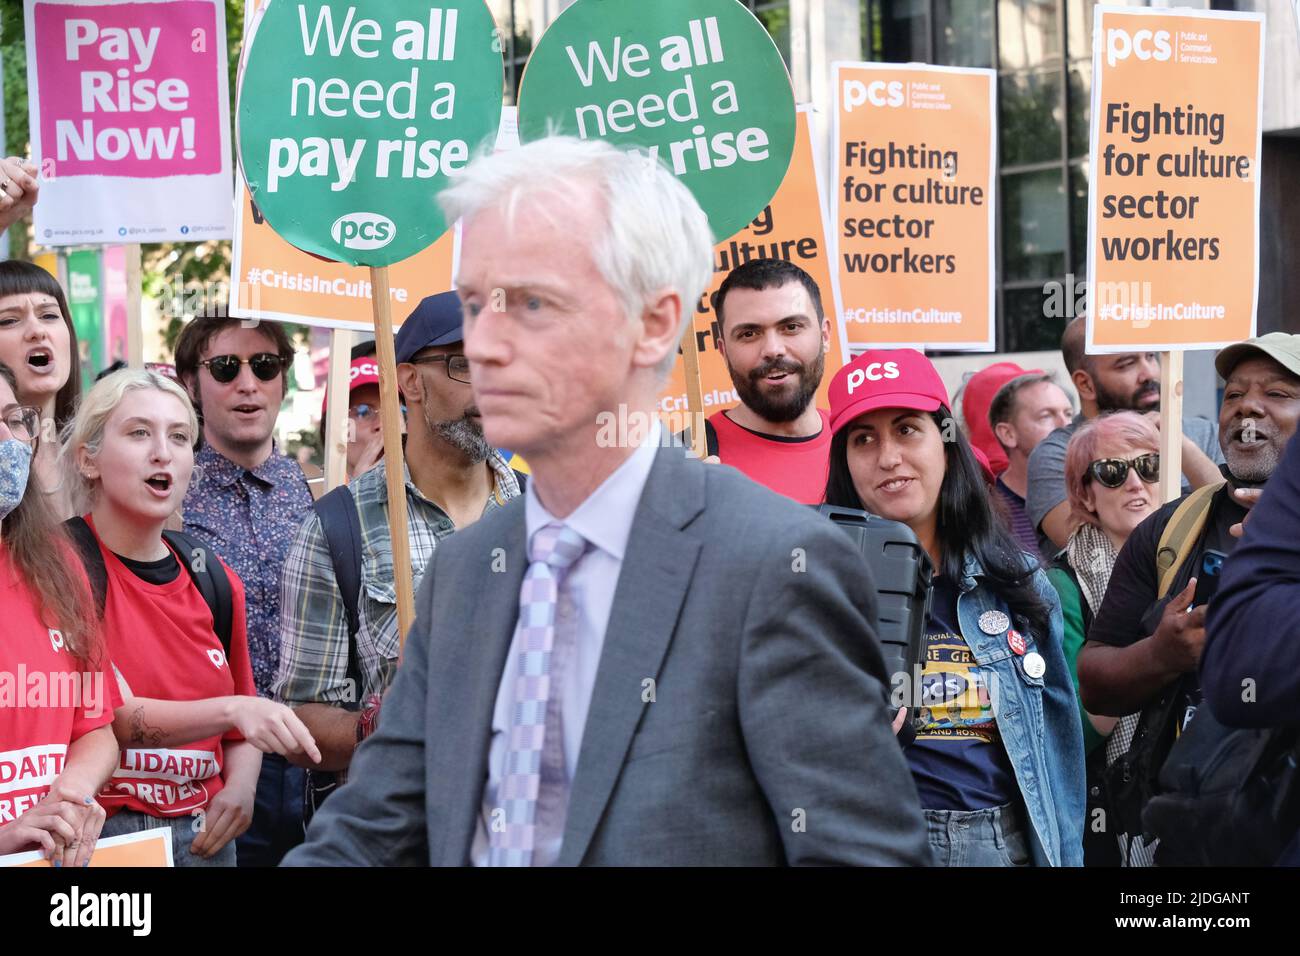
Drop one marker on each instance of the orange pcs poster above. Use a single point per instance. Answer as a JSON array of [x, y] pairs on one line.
[[915, 200], [791, 227], [1173, 210], [271, 279]]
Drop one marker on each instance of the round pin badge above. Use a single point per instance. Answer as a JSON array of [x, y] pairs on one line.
[[994, 622], [1016, 642], [1035, 666]]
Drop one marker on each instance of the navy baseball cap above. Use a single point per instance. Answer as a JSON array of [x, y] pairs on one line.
[[435, 321]]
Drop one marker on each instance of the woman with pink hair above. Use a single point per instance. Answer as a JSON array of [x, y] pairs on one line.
[[1112, 470]]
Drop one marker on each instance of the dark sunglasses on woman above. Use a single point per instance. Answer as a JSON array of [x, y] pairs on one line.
[[225, 368], [1113, 472]]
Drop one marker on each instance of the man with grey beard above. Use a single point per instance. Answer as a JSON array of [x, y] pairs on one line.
[[1143, 649], [453, 477]]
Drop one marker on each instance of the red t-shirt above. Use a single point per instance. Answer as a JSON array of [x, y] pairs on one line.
[[47, 700], [161, 640], [795, 468]]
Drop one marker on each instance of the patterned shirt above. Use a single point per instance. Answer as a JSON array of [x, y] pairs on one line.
[[249, 518], [314, 653]]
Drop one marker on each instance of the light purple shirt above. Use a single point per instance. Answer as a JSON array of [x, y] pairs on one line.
[[586, 595]]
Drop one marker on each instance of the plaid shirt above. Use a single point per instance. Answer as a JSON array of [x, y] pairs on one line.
[[313, 625], [249, 518]]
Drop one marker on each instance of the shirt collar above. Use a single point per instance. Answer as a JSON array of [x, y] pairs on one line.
[[221, 471], [605, 517]]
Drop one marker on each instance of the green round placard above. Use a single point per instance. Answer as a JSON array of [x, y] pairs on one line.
[[697, 83], [351, 117]]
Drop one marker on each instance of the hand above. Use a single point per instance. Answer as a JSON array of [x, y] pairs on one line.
[[228, 815], [899, 719], [273, 728], [1180, 637], [1247, 498], [81, 798], [55, 826], [18, 190], [370, 456]]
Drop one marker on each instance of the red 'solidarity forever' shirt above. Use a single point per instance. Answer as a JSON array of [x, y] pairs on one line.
[[160, 637], [794, 467], [47, 700]]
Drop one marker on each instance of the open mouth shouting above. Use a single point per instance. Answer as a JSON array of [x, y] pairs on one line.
[[160, 484], [40, 360]]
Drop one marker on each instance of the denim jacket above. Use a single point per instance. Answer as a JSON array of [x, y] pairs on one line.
[[1037, 717]]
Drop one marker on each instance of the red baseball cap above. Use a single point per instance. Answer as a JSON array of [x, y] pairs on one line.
[[364, 371], [976, 398], [885, 378]]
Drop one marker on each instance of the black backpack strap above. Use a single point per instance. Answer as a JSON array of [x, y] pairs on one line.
[[710, 438], [341, 525], [92, 558], [521, 479], [211, 580]]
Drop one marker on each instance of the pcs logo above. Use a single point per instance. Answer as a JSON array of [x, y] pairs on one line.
[[363, 230], [877, 93], [875, 372], [1144, 44]]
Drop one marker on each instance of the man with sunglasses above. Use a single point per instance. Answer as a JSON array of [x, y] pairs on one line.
[[246, 501], [1143, 648], [453, 478]]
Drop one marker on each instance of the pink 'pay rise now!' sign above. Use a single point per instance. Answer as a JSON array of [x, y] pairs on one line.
[[126, 89]]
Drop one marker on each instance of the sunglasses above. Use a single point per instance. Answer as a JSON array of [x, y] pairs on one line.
[[225, 368], [1113, 472]]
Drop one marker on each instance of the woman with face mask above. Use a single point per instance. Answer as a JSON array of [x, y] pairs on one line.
[[57, 748], [39, 343], [191, 728], [998, 755], [1112, 474]]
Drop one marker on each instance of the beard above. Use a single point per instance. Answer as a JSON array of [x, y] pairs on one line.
[[1108, 401], [465, 434], [1255, 466], [780, 407]]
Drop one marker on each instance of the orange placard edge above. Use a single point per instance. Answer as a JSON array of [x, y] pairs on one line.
[[837, 301], [163, 835]]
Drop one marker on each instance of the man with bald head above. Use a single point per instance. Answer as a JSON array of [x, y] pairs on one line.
[[630, 666], [1125, 381]]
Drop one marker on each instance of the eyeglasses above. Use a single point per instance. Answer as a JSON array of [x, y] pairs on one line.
[[362, 411], [23, 421], [225, 368], [457, 365], [1113, 472]]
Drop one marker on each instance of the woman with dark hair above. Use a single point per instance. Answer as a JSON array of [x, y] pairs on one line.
[[998, 755], [56, 748], [39, 343]]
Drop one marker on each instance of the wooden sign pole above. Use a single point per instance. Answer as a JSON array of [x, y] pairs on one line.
[[337, 432], [134, 307], [391, 417], [1171, 425], [694, 389]]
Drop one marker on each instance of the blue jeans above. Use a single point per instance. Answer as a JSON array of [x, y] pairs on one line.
[[183, 834], [277, 814], [992, 837]]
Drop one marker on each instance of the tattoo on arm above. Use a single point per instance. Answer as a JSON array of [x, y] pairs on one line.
[[141, 732]]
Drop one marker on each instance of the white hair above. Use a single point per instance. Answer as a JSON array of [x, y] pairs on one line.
[[656, 235]]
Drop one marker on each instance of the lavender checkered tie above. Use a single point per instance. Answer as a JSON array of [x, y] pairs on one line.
[[533, 789]]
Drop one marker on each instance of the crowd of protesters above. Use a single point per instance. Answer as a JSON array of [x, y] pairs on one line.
[[235, 643]]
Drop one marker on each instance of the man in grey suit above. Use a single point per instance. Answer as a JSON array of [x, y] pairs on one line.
[[648, 660]]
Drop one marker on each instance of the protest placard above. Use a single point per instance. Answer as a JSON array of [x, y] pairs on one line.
[[1173, 209], [351, 119], [273, 279], [915, 200], [359, 115], [696, 84], [130, 120], [792, 227]]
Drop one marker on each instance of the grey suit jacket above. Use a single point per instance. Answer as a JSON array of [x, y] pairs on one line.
[[739, 714]]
